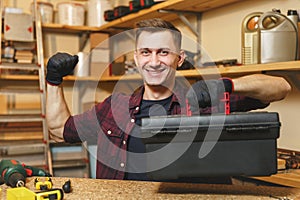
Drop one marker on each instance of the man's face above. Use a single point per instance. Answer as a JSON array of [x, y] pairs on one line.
[[157, 57]]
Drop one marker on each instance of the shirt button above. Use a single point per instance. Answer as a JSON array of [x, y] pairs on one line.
[[132, 120], [137, 108], [124, 142], [109, 132], [122, 164]]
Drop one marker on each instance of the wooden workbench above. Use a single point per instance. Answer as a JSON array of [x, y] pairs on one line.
[[289, 178], [84, 188]]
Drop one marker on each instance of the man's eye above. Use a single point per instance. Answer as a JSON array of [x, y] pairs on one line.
[[144, 53], [164, 53]]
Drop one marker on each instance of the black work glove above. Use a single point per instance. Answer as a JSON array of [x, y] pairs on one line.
[[203, 94], [60, 65]]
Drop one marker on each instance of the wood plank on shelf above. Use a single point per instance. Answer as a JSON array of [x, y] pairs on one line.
[[14, 118], [19, 66], [60, 28], [129, 20], [19, 91], [222, 71], [19, 77], [194, 73], [16, 136]]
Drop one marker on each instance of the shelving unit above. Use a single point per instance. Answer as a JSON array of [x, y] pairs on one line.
[[291, 66], [127, 22], [184, 6], [24, 136]]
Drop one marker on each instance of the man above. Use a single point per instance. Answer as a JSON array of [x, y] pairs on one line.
[[115, 123]]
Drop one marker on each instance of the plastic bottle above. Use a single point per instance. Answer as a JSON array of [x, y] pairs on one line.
[[293, 16]]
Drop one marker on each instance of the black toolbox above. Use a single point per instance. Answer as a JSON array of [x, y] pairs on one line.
[[214, 145]]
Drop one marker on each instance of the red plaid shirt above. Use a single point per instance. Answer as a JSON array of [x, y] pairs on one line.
[[110, 122]]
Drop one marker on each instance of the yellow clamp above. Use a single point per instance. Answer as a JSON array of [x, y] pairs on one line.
[[56, 194], [45, 184]]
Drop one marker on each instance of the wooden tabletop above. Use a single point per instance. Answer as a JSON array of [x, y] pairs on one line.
[[84, 188], [289, 178]]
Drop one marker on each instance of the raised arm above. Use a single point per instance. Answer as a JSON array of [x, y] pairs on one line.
[[57, 112], [262, 87]]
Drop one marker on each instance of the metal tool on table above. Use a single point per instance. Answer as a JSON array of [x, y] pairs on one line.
[[55, 193], [43, 183], [14, 173]]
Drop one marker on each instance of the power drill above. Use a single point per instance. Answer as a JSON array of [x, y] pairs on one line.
[[14, 173]]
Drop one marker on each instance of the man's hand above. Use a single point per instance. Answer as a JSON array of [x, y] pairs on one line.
[[204, 94], [60, 65]]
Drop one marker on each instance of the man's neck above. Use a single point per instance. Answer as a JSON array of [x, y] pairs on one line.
[[156, 92]]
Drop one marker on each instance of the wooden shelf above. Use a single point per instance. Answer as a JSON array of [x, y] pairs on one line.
[[59, 28], [194, 73], [21, 118], [19, 66], [128, 21], [209, 71]]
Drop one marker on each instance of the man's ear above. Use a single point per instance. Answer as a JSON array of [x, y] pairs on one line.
[[181, 58]]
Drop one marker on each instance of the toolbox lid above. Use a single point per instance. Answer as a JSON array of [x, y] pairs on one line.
[[235, 126]]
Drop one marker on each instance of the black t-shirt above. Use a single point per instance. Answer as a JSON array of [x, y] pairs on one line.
[[135, 144]]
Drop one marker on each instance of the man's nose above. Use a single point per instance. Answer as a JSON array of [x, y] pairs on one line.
[[154, 59]]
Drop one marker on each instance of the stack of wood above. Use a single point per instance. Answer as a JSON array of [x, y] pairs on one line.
[[24, 56], [20, 131]]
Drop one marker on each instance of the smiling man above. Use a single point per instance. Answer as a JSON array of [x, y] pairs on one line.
[[115, 123], [157, 56]]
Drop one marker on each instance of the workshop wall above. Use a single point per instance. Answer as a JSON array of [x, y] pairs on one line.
[[220, 34], [221, 38]]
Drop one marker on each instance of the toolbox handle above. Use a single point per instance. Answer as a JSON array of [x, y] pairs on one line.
[[241, 129]]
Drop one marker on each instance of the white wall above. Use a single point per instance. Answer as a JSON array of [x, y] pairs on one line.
[[221, 38], [221, 28]]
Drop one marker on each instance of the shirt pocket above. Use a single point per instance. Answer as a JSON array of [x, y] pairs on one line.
[[111, 130], [110, 139]]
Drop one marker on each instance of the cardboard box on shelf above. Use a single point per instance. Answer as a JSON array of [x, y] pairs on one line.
[[100, 69], [99, 40], [100, 65], [100, 55], [18, 27], [118, 68]]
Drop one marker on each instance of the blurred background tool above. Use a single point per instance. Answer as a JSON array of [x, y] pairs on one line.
[[14, 173]]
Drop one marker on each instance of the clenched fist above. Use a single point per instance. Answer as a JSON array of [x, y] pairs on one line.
[[204, 94], [60, 65]]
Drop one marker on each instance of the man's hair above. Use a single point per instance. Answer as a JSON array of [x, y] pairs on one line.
[[158, 25]]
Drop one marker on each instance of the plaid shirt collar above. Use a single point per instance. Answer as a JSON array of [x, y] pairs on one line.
[[137, 96]]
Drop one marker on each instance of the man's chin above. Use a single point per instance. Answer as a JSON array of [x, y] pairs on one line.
[[154, 82]]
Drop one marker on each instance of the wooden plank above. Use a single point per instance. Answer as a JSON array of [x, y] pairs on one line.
[[21, 131], [152, 12], [60, 28], [129, 20], [15, 136], [290, 178], [224, 71], [19, 77]]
